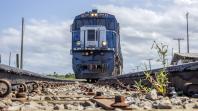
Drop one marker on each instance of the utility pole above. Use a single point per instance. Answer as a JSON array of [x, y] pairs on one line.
[[149, 60], [22, 34], [10, 58], [178, 39], [0, 58], [172, 52], [188, 49], [166, 61], [137, 68], [17, 60]]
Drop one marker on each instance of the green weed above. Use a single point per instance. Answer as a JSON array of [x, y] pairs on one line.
[[160, 80]]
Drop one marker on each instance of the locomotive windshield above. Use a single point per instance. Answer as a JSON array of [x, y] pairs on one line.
[[91, 35], [109, 23]]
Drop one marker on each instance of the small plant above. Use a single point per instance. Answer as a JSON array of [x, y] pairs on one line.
[[160, 80], [162, 52], [141, 88]]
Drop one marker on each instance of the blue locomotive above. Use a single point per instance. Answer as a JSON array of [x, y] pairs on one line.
[[96, 50]]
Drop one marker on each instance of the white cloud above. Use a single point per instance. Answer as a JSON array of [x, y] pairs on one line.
[[141, 26], [46, 45], [185, 2]]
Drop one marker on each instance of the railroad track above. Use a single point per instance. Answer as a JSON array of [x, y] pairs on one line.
[[15, 75], [85, 96], [14, 80], [110, 93], [182, 77]]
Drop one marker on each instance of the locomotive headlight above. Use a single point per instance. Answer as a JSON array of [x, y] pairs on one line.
[[78, 43], [92, 14], [104, 43]]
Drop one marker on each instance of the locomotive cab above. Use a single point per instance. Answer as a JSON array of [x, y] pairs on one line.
[[93, 37]]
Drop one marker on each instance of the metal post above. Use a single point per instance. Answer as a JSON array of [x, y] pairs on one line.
[[17, 60], [0, 58], [10, 58], [172, 52], [188, 49], [137, 68], [178, 39], [166, 61], [22, 34], [149, 60]]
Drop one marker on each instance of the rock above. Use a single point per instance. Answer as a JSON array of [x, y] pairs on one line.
[[16, 103], [69, 106], [134, 107], [14, 108], [29, 108], [79, 107], [117, 109], [132, 100], [6, 101], [87, 103], [176, 101], [195, 106], [172, 92], [34, 104], [147, 105], [127, 93], [83, 98], [59, 107], [75, 103], [44, 103], [49, 107], [152, 95], [160, 97], [35, 98], [77, 83], [55, 98], [89, 109], [191, 106], [184, 99], [48, 98], [31, 103], [162, 104], [2, 105], [73, 107]]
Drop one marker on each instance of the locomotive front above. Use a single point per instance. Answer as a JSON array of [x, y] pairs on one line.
[[95, 45]]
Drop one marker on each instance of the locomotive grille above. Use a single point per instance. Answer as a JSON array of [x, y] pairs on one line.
[[99, 68]]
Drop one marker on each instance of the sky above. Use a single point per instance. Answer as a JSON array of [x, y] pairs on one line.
[[47, 37]]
